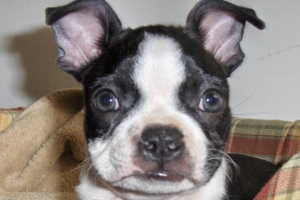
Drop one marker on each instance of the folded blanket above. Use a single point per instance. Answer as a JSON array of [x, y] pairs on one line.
[[42, 151]]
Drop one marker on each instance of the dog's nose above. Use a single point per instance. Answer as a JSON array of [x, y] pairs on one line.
[[162, 144]]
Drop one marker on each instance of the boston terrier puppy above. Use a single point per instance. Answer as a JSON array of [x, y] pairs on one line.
[[156, 102]]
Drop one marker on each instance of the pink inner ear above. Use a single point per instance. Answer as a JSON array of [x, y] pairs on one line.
[[223, 32], [77, 34]]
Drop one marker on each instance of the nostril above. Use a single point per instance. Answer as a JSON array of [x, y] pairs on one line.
[[172, 146], [149, 145], [173, 142]]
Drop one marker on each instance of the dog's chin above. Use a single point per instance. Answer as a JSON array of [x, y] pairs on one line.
[[153, 185]]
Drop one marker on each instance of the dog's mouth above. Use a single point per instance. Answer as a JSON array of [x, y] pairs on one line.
[[159, 182], [163, 175]]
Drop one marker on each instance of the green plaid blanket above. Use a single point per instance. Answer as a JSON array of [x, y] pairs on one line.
[[275, 141]]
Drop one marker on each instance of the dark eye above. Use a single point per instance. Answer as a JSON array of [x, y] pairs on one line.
[[211, 102], [106, 101]]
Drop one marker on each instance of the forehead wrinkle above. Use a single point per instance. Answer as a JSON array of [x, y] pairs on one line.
[[159, 70]]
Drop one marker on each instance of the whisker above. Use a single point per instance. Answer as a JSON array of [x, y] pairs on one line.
[[228, 170], [80, 165]]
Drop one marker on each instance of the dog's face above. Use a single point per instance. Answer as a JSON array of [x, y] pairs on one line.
[[160, 118], [157, 114]]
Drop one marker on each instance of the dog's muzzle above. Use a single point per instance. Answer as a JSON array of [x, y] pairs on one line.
[[162, 144]]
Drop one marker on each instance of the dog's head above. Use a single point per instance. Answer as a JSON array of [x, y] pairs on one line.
[[157, 114]]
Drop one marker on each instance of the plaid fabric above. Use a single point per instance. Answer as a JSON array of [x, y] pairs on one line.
[[285, 184], [7, 116], [275, 141]]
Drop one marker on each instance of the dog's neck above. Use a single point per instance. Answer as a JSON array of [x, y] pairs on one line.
[[92, 187]]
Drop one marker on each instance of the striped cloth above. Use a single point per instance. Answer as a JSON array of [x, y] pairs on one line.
[[273, 140]]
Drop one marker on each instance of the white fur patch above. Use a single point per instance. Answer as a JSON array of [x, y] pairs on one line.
[[159, 72]]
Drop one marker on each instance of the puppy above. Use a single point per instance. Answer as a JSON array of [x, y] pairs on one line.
[[156, 97]]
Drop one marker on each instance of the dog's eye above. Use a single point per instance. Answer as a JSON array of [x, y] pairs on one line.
[[106, 101], [211, 102]]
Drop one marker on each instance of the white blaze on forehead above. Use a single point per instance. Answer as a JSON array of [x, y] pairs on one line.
[[159, 71]]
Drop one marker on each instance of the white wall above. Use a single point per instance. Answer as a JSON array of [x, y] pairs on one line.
[[266, 86]]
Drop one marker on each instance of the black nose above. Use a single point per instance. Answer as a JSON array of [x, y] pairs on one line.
[[162, 144]]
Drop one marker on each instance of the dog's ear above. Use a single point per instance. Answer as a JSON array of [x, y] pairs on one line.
[[82, 29], [220, 26]]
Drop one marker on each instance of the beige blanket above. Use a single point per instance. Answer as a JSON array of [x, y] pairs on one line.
[[42, 151]]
